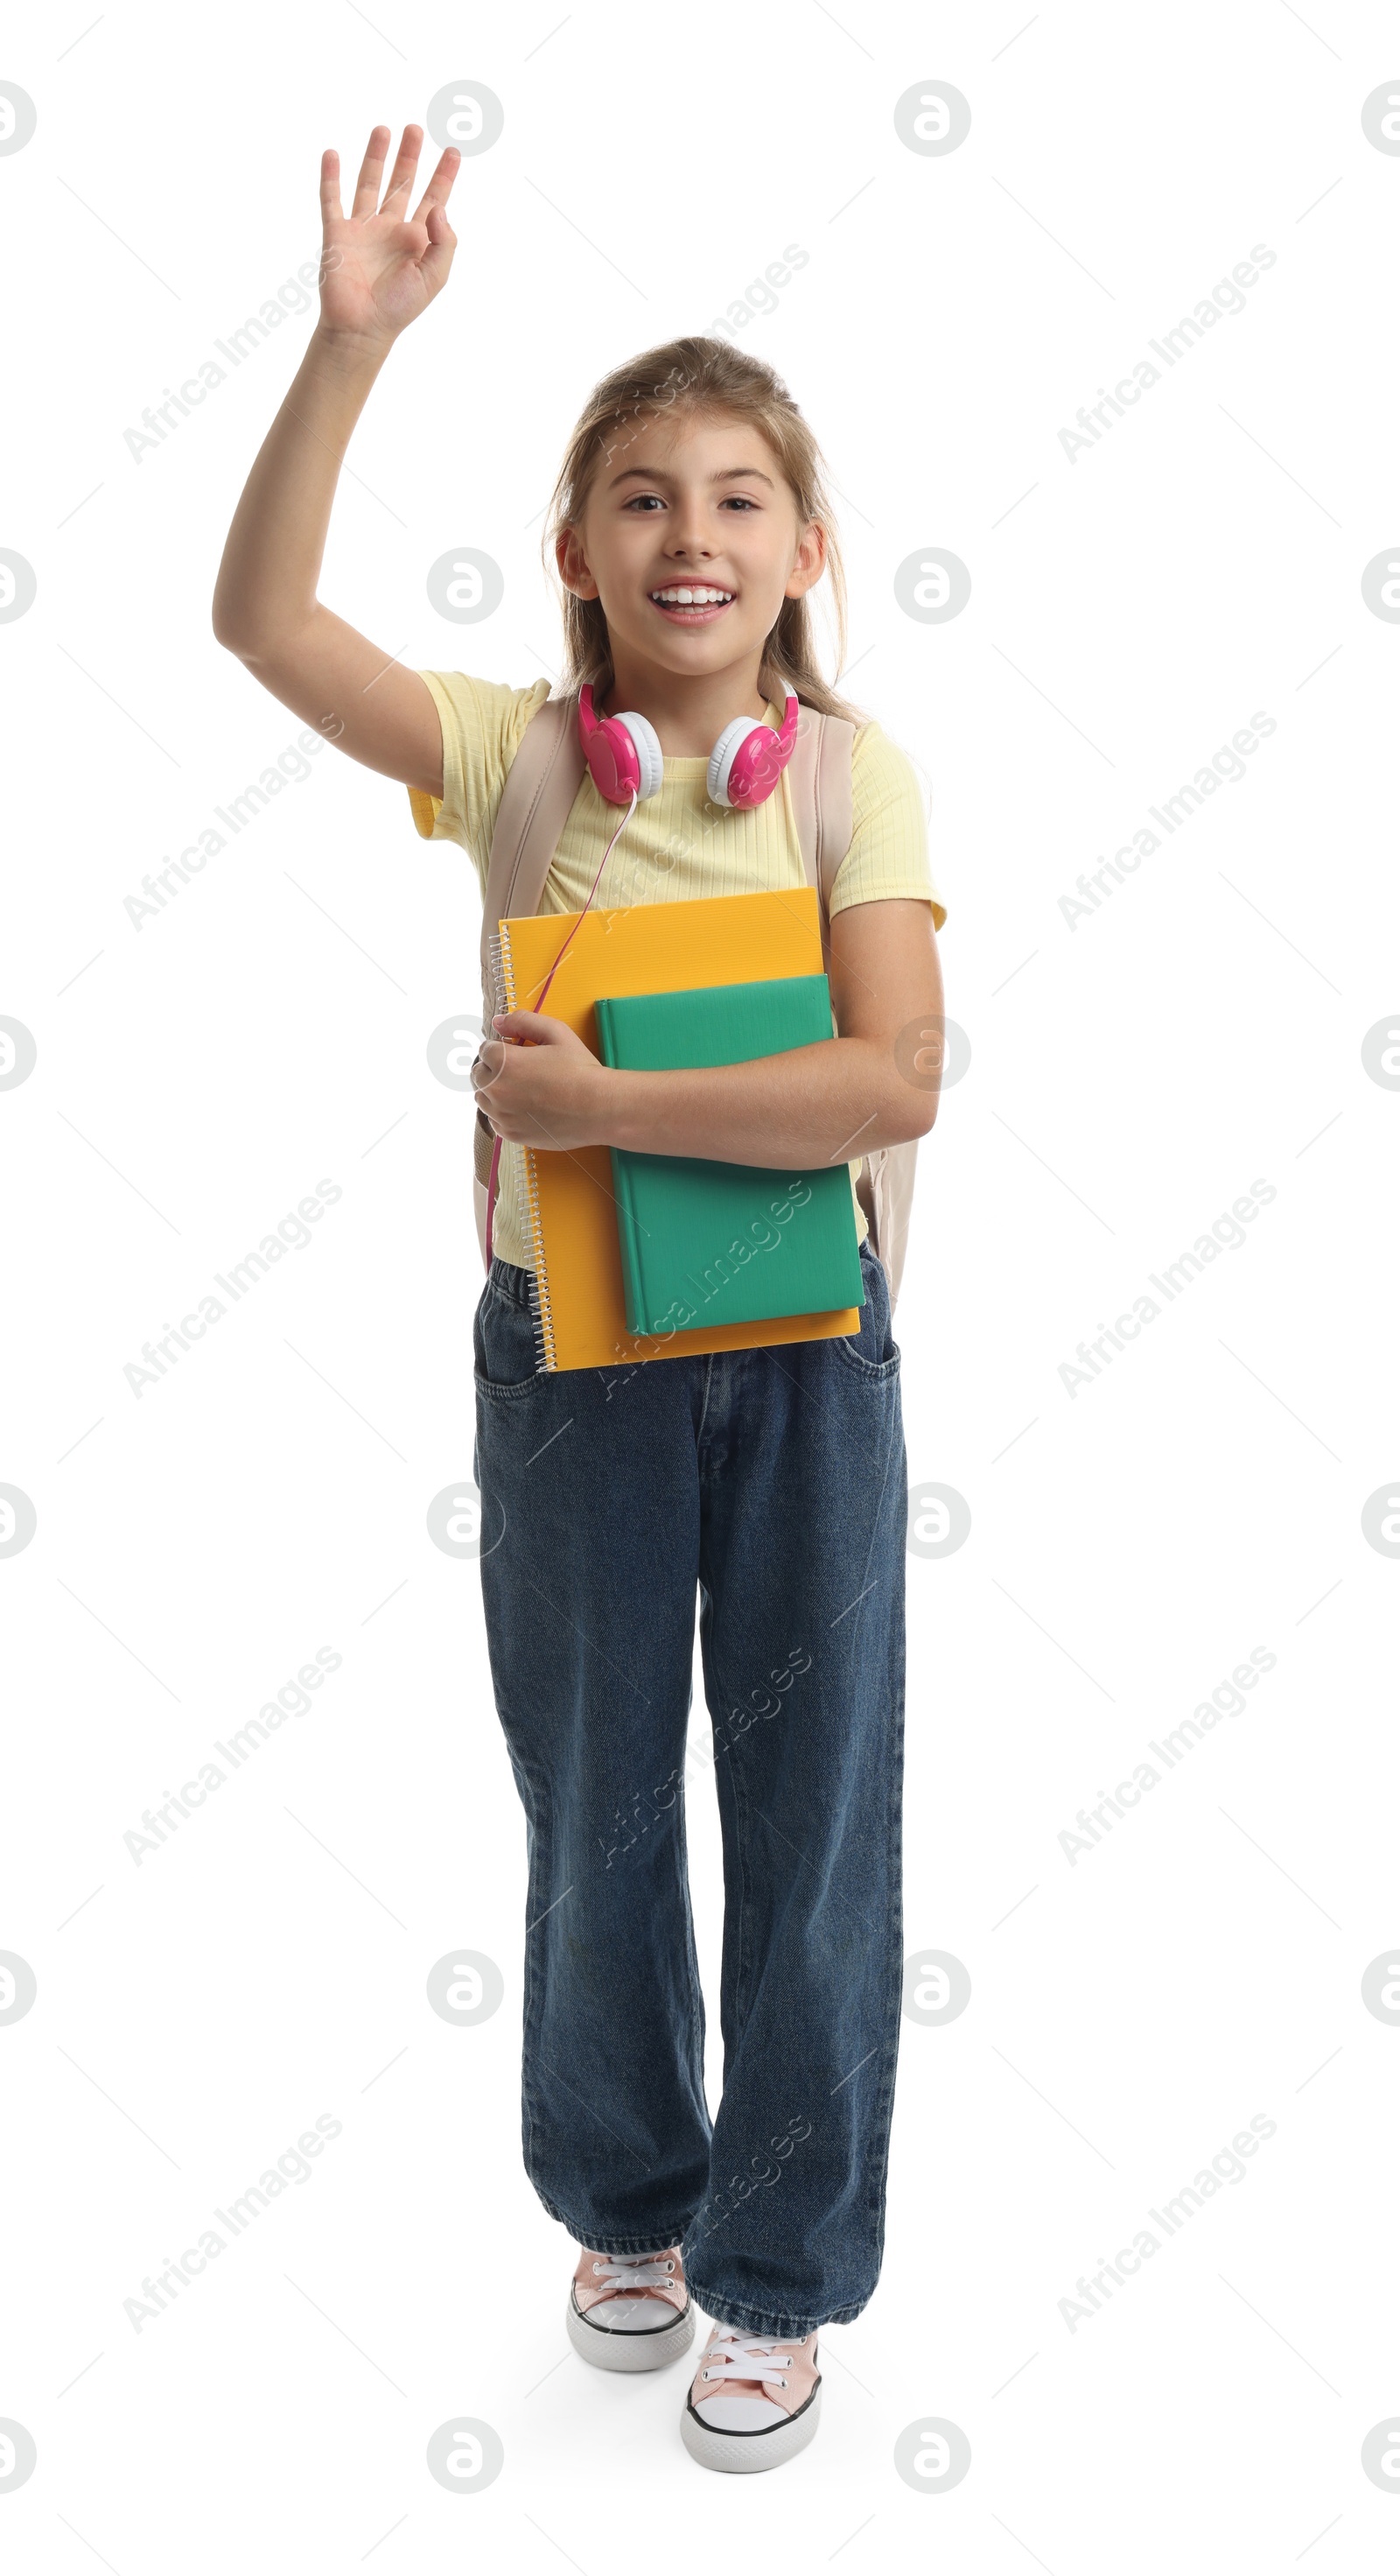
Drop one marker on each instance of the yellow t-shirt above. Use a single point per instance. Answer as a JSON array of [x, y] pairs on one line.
[[676, 847]]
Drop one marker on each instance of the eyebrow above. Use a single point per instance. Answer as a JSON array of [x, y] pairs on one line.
[[730, 474]]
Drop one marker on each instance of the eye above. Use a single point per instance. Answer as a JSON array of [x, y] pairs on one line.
[[738, 501], [643, 500]]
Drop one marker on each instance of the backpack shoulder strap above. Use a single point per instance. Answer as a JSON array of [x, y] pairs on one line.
[[819, 776], [541, 784]]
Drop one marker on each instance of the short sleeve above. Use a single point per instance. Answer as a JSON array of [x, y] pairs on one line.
[[482, 723], [889, 855]]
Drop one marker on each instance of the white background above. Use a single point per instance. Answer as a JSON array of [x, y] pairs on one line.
[[1130, 1543]]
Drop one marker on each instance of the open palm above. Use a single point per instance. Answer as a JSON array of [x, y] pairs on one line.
[[381, 266]]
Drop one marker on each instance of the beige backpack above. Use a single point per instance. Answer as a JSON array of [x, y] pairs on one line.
[[543, 780]]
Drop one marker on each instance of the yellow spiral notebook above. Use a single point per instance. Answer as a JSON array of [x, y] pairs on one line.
[[639, 948]]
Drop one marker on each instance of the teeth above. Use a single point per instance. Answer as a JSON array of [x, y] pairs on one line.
[[691, 598]]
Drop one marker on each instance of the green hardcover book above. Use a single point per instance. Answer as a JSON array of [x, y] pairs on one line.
[[731, 1243]]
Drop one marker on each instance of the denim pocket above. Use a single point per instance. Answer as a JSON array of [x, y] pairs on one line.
[[504, 1346], [873, 1353]]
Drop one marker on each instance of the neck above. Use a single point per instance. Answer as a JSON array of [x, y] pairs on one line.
[[689, 713]]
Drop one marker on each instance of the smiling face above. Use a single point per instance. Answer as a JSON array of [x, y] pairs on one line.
[[690, 537]]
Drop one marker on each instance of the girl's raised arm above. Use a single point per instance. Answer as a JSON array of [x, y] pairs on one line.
[[380, 268]]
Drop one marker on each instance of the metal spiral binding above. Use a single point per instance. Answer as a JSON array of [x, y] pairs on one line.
[[498, 976], [502, 975], [541, 1311]]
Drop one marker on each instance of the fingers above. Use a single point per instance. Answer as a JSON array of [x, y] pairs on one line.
[[403, 173], [366, 198], [330, 190], [366, 201], [439, 187], [539, 1031]]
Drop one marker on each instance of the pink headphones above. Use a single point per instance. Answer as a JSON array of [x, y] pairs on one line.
[[624, 756]]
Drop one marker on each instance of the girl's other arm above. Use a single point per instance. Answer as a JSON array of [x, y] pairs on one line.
[[866, 1087], [380, 268]]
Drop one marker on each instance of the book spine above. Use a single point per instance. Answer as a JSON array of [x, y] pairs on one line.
[[541, 1308], [622, 1187], [627, 1238]]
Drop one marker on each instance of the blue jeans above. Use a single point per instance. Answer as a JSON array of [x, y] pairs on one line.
[[775, 1481]]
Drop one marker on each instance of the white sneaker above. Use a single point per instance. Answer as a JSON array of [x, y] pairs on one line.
[[630, 2311], [754, 2401]]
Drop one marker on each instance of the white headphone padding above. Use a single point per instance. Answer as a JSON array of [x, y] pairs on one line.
[[722, 757], [648, 750]]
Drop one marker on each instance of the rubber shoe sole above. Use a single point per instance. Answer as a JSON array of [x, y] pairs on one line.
[[748, 2451], [612, 2348]]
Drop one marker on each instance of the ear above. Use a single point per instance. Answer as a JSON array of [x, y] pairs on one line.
[[573, 565], [809, 562]]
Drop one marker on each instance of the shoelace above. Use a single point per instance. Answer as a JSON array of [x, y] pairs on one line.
[[634, 2271], [755, 2357]]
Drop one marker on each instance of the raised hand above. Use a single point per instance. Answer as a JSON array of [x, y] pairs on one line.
[[381, 266]]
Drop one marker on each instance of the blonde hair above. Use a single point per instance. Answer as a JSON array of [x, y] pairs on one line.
[[693, 376]]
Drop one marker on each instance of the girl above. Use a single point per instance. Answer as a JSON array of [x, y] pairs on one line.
[[689, 524]]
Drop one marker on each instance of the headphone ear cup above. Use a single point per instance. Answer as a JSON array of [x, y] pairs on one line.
[[646, 744], [722, 757]]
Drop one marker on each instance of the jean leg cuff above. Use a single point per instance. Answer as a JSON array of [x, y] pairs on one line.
[[606, 2241], [771, 2323]]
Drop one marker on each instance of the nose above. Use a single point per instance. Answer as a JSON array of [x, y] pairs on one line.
[[688, 532]]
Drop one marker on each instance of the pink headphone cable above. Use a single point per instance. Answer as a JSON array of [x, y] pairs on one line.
[[544, 988]]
